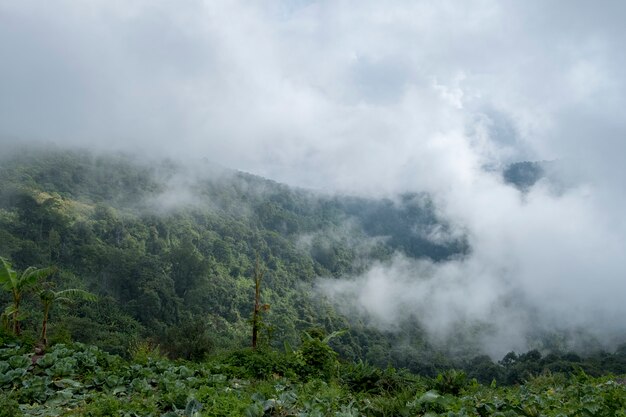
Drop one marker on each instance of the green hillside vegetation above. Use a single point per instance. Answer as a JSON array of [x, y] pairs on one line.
[[139, 290], [173, 263]]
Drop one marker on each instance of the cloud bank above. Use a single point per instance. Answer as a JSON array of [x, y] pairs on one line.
[[369, 98]]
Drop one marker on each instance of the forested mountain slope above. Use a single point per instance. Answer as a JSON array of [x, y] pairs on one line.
[[170, 250]]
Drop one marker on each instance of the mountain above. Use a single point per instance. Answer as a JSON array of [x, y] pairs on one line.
[[558, 175], [523, 175], [170, 249]]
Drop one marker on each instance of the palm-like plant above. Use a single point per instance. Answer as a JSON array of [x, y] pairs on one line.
[[17, 284], [48, 297]]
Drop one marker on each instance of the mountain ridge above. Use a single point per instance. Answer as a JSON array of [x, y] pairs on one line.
[[168, 246]]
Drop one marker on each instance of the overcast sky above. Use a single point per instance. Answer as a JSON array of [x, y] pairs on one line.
[[368, 97], [322, 93]]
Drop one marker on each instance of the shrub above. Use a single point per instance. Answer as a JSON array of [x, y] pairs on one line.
[[142, 351], [316, 359], [361, 377], [9, 407], [261, 363], [450, 382], [190, 340]]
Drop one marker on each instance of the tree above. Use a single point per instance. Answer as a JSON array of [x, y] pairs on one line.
[[48, 297], [258, 307], [18, 285]]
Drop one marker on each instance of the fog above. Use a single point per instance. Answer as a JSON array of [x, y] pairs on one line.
[[373, 99]]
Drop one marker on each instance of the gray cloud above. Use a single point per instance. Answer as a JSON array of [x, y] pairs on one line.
[[371, 98]]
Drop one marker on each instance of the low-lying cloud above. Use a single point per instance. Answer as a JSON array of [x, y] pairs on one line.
[[540, 264]]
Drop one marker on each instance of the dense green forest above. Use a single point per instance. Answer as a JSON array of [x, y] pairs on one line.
[[170, 252]]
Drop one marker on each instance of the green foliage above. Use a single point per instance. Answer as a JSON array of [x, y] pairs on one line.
[[261, 363], [361, 377], [143, 351], [315, 357], [178, 274], [107, 221], [9, 407], [49, 297], [451, 382], [81, 380], [18, 285], [190, 340]]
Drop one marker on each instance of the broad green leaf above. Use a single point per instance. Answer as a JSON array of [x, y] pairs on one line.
[[17, 362]]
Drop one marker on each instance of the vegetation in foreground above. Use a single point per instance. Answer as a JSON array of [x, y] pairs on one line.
[[82, 380]]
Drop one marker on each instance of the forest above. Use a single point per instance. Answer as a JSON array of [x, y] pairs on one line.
[[130, 290]]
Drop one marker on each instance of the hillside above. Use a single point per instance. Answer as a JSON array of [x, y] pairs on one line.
[[170, 250]]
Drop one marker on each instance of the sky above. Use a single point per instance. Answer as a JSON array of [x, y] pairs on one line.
[[370, 98]]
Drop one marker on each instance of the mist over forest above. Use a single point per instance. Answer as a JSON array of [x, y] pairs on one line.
[[435, 185], [169, 241]]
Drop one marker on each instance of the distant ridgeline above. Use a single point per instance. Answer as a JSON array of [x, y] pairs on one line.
[[524, 175], [170, 250]]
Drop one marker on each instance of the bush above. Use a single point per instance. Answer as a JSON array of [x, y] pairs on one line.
[[261, 363], [190, 340], [361, 377], [316, 359], [450, 382], [9, 407], [141, 351]]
